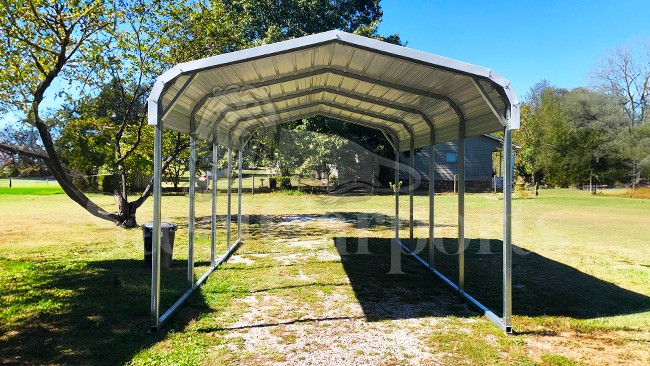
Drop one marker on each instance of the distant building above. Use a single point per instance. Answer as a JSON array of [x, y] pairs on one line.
[[480, 152], [479, 170]]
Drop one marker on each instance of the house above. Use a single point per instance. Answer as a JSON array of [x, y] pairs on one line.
[[479, 168], [359, 165]]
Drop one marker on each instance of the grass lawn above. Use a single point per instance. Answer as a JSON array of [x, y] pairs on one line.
[[300, 290]]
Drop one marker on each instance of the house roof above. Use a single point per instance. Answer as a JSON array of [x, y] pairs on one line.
[[500, 140], [412, 96]]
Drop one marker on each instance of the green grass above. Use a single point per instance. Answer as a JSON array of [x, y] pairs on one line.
[[75, 290], [29, 187], [39, 191]]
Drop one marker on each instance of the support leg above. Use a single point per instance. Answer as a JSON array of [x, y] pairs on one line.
[[397, 191], [228, 208], [411, 189], [213, 222], [239, 192], [191, 214], [155, 247], [507, 230], [461, 206], [431, 206]]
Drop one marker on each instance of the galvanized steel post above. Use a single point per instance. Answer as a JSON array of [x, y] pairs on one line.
[[156, 230], [432, 192], [191, 214], [411, 189], [396, 188], [461, 205], [507, 229], [228, 208], [239, 193], [213, 221]]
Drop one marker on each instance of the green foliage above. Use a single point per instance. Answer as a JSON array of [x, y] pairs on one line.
[[370, 140], [85, 146], [272, 21], [299, 151], [521, 188], [40, 36], [283, 182], [569, 136], [268, 22], [291, 192]]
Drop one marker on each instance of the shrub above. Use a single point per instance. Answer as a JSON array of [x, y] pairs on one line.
[[521, 188]]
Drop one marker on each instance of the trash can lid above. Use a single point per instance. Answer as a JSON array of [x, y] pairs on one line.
[[163, 225]]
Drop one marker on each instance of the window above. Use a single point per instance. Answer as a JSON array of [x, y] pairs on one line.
[[450, 157]]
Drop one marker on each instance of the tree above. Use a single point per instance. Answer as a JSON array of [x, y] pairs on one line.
[[112, 51], [624, 73], [569, 137], [267, 21], [598, 122], [43, 40], [85, 147], [179, 166]]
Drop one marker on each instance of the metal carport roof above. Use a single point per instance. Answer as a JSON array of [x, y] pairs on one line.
[[356, 79], [416, 99]]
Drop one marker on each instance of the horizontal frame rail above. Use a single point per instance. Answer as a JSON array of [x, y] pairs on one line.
[[196, 285], [499, 322]]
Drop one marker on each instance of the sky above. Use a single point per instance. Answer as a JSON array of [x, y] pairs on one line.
[[525, 41]]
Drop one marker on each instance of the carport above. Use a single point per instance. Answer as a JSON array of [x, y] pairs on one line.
[[414, 98]]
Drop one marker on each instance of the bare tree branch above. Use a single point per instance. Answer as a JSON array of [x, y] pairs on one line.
[[22, 151]]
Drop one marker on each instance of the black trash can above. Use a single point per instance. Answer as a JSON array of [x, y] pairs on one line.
[[168, 232]]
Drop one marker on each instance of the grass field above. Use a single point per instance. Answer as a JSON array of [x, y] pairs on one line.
[[76, 290]]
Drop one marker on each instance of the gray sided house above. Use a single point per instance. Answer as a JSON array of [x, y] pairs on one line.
[[479, 170]]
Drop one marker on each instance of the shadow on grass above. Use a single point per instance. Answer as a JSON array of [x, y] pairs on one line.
[[85, 313], [541, 286]]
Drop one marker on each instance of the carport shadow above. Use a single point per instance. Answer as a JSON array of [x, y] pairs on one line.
[[90, 313], [541, 286]]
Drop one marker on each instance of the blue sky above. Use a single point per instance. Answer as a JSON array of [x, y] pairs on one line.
[[525, 41]]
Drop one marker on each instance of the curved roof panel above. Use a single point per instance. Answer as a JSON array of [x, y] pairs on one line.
[[410, 95]]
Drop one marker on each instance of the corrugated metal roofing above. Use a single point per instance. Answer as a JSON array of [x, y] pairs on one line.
[[408, 94]]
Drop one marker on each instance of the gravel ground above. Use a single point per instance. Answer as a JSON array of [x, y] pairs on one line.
[[280, 328]]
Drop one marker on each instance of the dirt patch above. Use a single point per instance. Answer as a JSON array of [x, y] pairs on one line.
[[333, 331], [240, 259], [599, 348]]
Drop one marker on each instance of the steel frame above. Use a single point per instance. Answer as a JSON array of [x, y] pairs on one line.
[[510, 120], [157, 319], [504, 322]]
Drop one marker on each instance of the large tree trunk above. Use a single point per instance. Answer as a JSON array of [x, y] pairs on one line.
[[53, 162], [125, 211], [56, 168]]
